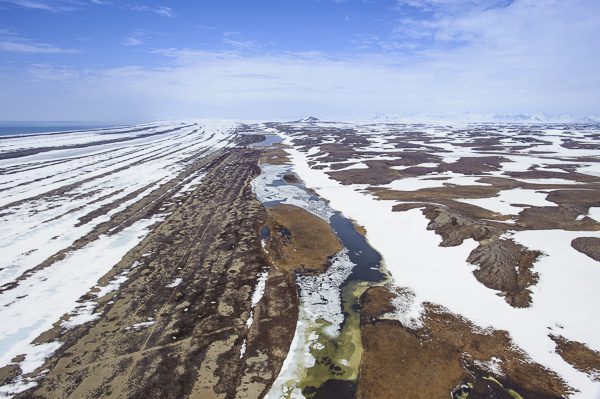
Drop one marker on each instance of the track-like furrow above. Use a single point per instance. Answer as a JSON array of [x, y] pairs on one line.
[[34, 151], [210, 242]]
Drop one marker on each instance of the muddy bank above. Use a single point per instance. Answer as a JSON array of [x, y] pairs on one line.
[[325, 354], [300, 241]]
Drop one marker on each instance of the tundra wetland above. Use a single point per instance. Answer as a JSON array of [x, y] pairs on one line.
[[303, 259]]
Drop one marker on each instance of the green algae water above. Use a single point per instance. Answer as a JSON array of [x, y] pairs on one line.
[[335, 348]]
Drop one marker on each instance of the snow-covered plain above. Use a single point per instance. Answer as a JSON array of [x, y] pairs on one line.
[[50, 186], [565, 301], [505, 202]]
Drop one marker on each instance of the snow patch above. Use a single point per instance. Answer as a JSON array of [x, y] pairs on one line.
[[175, 283]]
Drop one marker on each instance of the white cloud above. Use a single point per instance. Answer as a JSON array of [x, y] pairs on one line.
[[526, 57]]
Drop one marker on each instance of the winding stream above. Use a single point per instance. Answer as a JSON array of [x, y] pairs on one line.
[[324, 356]]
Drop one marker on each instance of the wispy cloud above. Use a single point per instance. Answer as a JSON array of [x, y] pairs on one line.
[[230, 38], [137, 38], [205, 27], [132, 41], [12, 41], [33, 48], [241, 44], [372, 42], [48, 72], [7, 32], [163, 11], [73, 5], [451, 5], [54, 6]]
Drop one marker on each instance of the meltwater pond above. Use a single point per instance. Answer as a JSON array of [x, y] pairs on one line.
[[270, 139]]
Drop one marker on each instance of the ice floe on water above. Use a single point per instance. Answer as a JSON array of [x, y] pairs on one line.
[[320, 310], [320, 295], [320, 302], [269, 186]]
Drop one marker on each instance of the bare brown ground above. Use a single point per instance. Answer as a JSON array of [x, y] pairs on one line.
[[430, 361], [291, 178], [193, 348], [579, 356], [270, 336], [503, 264], [588, 245], [275, 155], [378, 174], [300, 240]]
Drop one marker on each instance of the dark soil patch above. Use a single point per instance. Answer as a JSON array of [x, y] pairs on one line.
[[588, 245]]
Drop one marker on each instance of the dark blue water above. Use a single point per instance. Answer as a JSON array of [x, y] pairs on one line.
[[269, 140], [15, 130], [265, 233], [366, 259]]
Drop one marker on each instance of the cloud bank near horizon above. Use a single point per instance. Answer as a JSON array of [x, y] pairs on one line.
[[438, 56]]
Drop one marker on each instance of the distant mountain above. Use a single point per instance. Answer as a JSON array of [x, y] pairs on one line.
[[468, 117], [545, 118], [310, 119]]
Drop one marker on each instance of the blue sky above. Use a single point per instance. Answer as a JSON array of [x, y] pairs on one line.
[[139, 60]]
